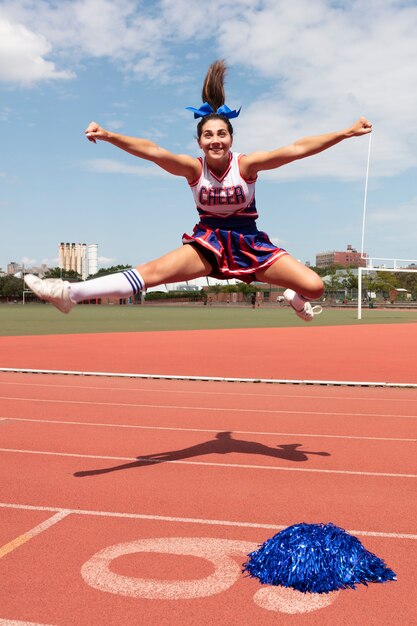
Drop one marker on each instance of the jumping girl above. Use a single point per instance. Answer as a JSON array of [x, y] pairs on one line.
[[226, 242]]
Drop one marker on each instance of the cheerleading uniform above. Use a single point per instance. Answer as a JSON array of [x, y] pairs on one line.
[[226, 234]]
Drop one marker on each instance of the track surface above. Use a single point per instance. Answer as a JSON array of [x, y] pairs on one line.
[[378, 353], [127, 501], [135, 501]]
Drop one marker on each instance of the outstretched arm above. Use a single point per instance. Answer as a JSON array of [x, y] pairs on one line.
[[258, 161], [177, 164]]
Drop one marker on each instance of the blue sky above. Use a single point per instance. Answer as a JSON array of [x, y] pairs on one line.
[[298, 68]]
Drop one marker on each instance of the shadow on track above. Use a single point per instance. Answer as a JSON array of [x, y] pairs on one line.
[[223, 443]]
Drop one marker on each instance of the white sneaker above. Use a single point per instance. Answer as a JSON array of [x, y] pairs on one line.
[[307, 312], [54, 290]]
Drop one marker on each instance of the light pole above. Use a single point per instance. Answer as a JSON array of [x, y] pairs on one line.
[[21, 274], [23, 277]]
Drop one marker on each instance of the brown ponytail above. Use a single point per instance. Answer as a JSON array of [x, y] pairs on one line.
[[213, 88], [213, 93]]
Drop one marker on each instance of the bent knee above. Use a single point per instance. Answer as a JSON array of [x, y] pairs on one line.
[[314, 288]]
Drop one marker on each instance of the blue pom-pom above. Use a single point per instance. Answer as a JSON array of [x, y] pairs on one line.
[[316, 558]]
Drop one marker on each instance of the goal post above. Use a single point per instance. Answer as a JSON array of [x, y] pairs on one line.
[[393, 270], [383, 264]]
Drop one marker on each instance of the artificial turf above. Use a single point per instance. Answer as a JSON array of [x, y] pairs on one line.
[[44, 319]]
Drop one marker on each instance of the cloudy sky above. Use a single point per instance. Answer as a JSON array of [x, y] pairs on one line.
[[297, 68]]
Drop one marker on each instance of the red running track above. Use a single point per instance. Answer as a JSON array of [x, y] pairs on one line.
[[374, 353], [128, 501]]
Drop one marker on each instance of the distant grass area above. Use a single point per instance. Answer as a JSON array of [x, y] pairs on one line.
[[43, 319]]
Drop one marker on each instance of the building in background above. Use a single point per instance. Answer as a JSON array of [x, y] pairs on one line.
[[79, 257], [18, 269], [92, 258], [350, 257], [13, 268]]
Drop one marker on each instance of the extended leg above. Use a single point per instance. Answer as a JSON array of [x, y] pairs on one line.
[[185, 263]]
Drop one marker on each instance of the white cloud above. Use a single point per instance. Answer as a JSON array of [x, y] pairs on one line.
[[50, 262], [278, 241], [110, 166], [115, 124], [327, 65], [22, 56], [5, 113], [314, 67], [122, 31], [392, 228], [404, 215], [105, 261], [201, 20], [27, 262]]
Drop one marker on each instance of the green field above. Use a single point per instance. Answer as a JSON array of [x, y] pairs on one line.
[[43, 319]]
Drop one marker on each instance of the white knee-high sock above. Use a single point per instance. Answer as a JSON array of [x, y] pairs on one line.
[[123, 284]]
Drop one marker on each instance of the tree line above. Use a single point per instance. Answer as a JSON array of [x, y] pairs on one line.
[[381, 283]]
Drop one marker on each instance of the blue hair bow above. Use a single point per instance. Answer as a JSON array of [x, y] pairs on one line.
[[206, 109]]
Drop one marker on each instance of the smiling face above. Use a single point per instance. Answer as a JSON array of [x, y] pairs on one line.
[[216, 141]]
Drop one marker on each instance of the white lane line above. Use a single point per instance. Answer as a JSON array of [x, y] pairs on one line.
[[205, 408], [214, 393], [13, 622], [188, 520], [219, 379], [37, 530], [206, 430], [133, 460]]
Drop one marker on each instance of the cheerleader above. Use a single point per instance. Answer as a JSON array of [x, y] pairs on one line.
[[225, 243]]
